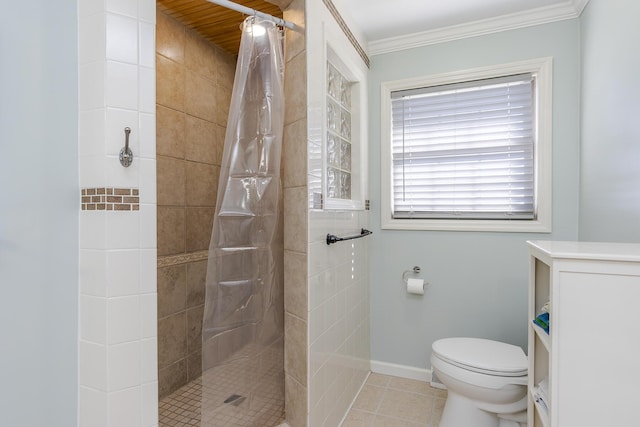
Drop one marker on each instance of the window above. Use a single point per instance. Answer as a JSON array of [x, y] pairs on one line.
[[469, 150], [343, 135], [338, 134], [464, 150]]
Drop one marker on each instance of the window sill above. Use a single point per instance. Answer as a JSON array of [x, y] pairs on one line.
[[344, 205], [504, 226]]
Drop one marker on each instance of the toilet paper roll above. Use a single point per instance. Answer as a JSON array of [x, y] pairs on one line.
[[415, 286]]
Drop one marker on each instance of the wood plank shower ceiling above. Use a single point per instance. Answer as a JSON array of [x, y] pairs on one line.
[[215, 23]]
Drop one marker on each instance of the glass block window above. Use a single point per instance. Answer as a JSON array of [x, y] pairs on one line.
[[338, 134]]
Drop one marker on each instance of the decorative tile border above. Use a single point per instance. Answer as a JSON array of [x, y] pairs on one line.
[[110, 199], [347, 32], [170, 260]]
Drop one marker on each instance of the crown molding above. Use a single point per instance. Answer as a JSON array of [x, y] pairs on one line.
[[544, 15], [579, 5]]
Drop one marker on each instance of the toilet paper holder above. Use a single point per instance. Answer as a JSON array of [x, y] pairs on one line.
[[415, 270]]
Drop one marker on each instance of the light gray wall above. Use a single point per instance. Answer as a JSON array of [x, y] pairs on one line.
[[478, 281], [39, 201], [610, 178]]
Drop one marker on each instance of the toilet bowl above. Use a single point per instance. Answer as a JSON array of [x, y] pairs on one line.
[[486, 382]]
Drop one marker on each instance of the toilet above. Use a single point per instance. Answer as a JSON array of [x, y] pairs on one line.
[[486, 382]]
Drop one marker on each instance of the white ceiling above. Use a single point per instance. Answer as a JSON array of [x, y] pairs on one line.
[[384, 19]]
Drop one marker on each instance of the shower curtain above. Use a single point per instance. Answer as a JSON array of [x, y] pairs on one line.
[[243, 325]]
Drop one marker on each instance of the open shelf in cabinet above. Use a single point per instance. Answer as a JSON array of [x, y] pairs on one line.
[[540, 416], [540, 373], [542, 335], [540, 350], [542, 286]]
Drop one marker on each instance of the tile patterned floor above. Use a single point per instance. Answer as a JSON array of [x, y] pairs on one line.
[[384, 401], [387, 401], [182, 409], [246, 391]]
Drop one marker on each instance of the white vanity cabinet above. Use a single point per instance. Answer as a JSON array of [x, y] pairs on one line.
[[591, 356]]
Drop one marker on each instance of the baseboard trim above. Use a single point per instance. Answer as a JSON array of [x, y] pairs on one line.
[[401, 371]]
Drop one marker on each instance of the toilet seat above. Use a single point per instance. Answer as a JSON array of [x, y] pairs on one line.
[[486, 382], [482, 356]]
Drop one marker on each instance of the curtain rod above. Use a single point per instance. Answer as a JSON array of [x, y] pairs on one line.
[[252, 12]]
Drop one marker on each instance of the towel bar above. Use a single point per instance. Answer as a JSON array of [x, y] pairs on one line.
[[333, 239]]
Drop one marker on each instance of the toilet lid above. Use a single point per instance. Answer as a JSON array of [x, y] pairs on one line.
[[484, 356]]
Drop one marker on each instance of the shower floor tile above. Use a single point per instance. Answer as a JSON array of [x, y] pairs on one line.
[[233, 395], [182, 409], [245, 391]]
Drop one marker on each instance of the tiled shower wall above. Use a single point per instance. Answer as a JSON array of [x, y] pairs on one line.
[[326, 287], [295, 220], [338, 315], [338, 274], [194, 84], [117, 349]]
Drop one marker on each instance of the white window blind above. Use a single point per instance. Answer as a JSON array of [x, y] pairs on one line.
[[465, 150]]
